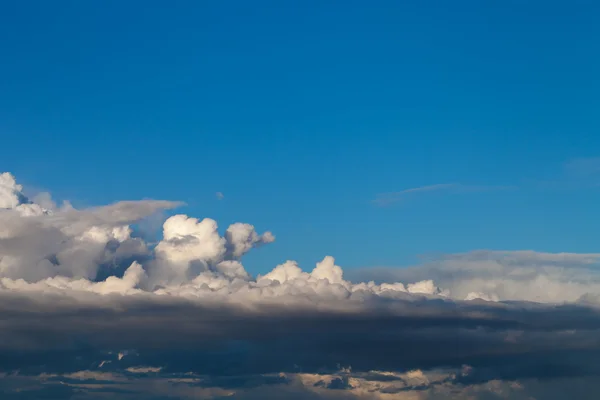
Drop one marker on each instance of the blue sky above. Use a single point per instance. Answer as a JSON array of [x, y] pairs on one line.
[[303, 113]]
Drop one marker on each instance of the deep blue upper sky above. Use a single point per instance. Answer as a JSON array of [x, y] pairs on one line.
[[301, 112]]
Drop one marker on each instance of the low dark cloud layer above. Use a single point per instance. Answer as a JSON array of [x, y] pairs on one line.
[[40, 332]]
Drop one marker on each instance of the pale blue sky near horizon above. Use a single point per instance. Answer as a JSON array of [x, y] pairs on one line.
[[303, 113]]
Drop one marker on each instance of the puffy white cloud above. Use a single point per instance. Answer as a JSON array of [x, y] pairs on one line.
[[425, 287], [186, 239], [285, 272], [243, 237], [133, 276], [104, 234], [327, 269], [65, 251], [187, 248], [481, 296], [37, 243], [10, 191], [69, 249], [190, 248], [12, 198]]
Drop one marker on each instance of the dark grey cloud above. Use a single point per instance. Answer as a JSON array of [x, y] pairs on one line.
[[42, 332]]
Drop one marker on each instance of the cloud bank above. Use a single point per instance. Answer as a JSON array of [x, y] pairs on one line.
[[506, 275], [88, 309], [67, 249]]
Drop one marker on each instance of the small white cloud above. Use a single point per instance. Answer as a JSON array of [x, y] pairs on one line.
[[220, 195], [143, 370]]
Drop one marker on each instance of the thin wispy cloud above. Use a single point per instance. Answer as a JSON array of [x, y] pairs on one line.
[[574, 174], [583, 167], [389, 198], [220, 196], [429, 188]]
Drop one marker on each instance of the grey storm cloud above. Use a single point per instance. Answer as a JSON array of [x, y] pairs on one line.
[[381, 334]]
